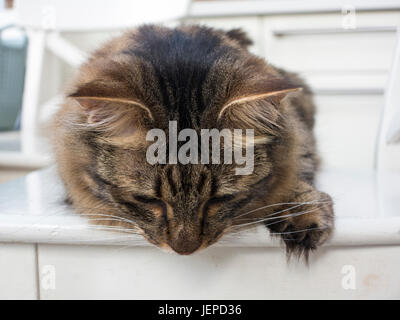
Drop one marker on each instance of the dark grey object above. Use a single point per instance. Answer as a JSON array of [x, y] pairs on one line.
[[12, 75]]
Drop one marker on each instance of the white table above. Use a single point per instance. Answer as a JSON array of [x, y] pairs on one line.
[[32, 210], [41, 239]]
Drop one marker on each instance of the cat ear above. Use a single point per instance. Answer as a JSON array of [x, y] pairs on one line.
[[105, 97], [113, 116], [257, 111], [98, 107], [274, 98], [240, 36]]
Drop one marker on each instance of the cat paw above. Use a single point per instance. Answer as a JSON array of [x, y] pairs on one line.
[[300, 240], [306, 232]]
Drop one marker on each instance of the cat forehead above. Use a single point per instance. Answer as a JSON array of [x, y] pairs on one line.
[[181, 57], [183, 74]]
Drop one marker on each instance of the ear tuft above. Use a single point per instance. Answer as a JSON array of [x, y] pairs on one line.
[[113, 117], [240, 36], [95, 109], [273, 98], [258, 111], [102, 105]]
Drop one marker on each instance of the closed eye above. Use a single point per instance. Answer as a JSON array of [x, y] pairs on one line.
[[153, 202], [217, 200], [213, 205], [147, 199]]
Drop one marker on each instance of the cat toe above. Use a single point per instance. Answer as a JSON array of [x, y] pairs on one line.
[[300, 241]]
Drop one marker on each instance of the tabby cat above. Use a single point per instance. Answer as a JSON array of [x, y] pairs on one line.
[[202, 78]]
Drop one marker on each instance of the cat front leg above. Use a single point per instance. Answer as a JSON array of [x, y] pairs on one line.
[[305, 222]]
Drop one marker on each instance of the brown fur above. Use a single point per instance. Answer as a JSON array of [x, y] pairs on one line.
[[202, 78]]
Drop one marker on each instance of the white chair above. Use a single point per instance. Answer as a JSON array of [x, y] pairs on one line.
[[390, 124], [45, 21], [387, 147]]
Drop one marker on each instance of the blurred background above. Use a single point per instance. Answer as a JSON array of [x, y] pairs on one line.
[[344, 49]]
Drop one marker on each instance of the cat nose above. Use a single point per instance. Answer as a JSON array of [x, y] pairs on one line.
[[185, 244], [185, 248]]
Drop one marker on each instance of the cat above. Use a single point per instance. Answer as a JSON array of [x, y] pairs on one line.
[[202, 78]]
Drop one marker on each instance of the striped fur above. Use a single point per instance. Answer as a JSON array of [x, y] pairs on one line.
[[202, 78]]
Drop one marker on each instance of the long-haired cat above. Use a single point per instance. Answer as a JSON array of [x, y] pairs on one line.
[[201, 78]]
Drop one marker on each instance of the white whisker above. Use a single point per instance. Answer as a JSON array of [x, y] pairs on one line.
[[118, 218], [297, 204], [272, 218], [121, 237], [126, 230], [297, 231]]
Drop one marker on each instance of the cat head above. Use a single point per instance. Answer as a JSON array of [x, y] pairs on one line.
[[197, 78]]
